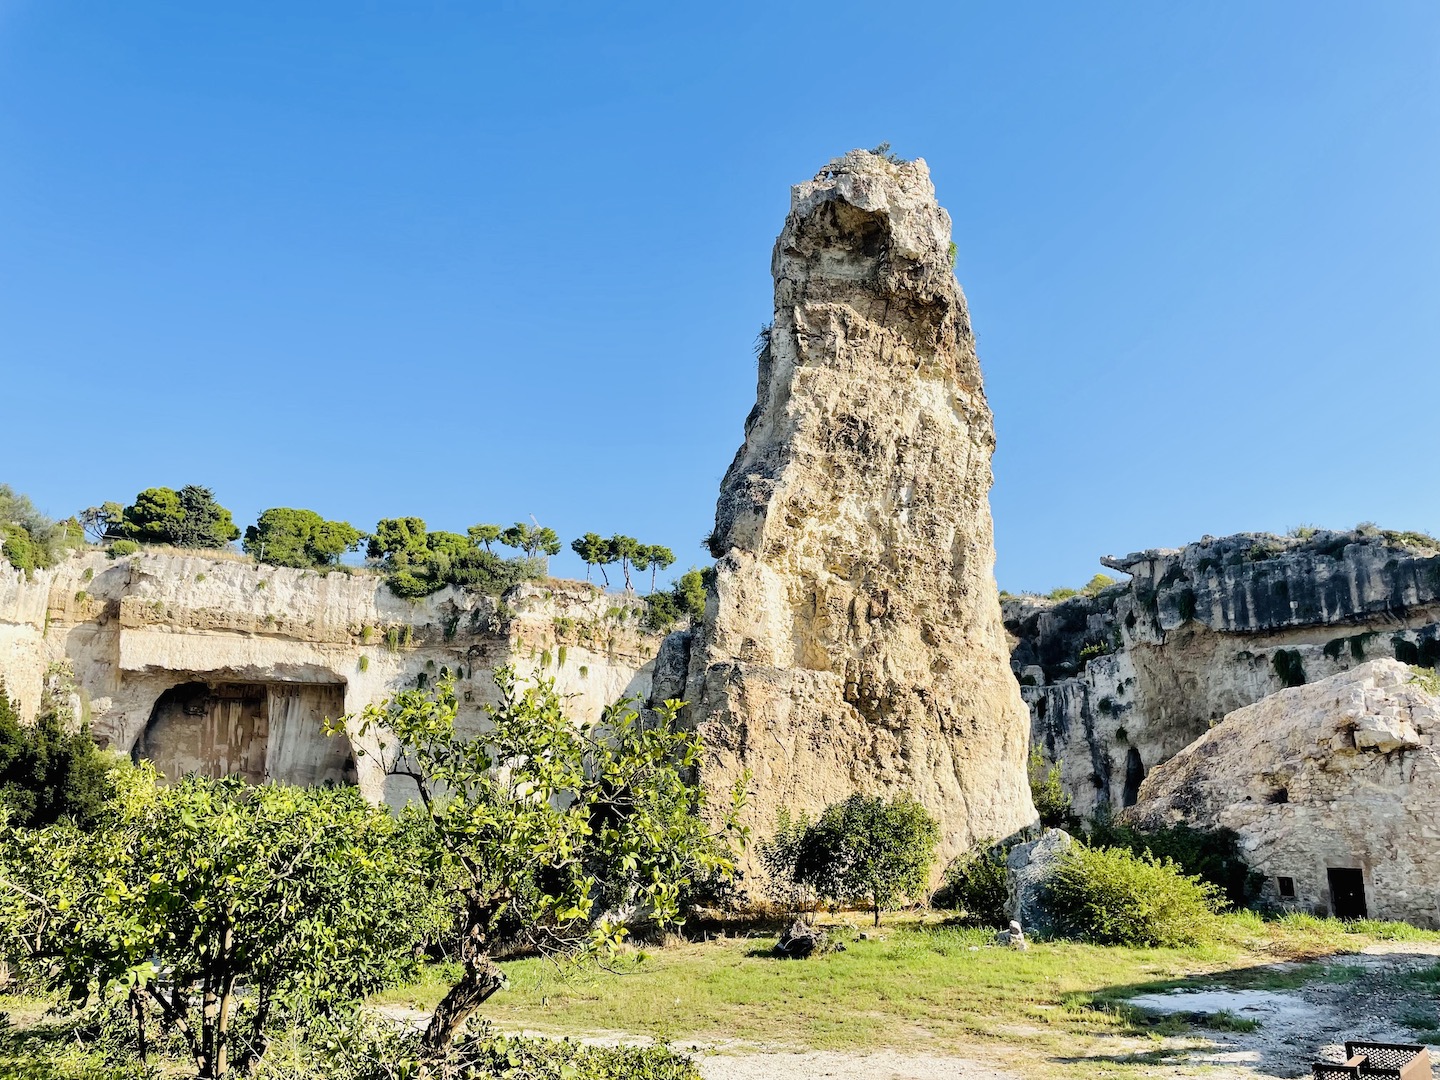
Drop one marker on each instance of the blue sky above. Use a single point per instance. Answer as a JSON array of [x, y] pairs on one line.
[[485, 261]]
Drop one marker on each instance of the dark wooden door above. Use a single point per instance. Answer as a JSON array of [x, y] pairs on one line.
[[1347, 893]]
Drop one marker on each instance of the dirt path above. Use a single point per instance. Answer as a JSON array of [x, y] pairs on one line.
[[828, 1065], [1365, 996]]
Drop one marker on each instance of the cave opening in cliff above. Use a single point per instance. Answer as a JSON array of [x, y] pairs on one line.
[[256, 731], [1134, 777]]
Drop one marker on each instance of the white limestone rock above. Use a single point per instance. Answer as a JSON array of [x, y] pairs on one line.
[[853, 639], [1338, 775]]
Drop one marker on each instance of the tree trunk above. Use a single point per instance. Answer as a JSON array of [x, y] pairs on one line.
[[877, 914], [480, 980], [137, 1010]]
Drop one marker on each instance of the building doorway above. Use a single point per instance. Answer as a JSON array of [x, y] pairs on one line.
[[1347, 893]]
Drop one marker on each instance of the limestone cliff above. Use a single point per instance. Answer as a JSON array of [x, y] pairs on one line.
[[1333, 787], [221, 665], [853, 639], [1123, 680]]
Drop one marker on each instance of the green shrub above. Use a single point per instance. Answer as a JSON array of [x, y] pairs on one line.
[[188, 518], [1213, 855], [418, 562], [51, 769], [361, 1047], [29, 540], [975, 886], [121, 548], [1052, 801], [1113, 897], [18, 549], [683, 600], [283, 536]]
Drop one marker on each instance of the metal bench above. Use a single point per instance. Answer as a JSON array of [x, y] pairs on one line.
[[1398, 1061]]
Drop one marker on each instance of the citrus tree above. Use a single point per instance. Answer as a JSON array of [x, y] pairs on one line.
[[866, 849], [305, 897], [551, 829]]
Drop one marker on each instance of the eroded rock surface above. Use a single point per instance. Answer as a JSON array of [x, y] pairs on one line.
[[1122, 681], [223, 666], [1028, 870], [1334, 788], [853, 641]]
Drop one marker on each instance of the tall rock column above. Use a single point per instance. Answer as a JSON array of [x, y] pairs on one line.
[[853, 641]]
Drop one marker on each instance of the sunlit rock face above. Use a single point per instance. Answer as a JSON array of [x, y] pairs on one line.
[[217, 665], [853, 639], [1123, 680], [1333, 787]]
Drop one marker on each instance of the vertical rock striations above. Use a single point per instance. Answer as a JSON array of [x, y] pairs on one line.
[[854, 641]]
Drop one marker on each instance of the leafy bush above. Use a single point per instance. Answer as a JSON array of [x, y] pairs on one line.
[[1113, 897], [50, 770], [418, 562], [121, 548], [301, 538], [1052, 801], [683, 600], [864, 850], [1213, 855], [306, 897], [189, 518], [29, 540], [975, 886], [361, 1047]]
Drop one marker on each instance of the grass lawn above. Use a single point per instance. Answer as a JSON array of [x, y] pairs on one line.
[[924, 988]]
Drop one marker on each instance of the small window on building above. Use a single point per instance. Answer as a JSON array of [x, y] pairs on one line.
[[1287, 887]]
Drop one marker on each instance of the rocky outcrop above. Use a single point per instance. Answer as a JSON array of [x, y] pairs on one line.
[[853, 638], [1028, 870], [1121, 681], [222, 665], [1333, 787]]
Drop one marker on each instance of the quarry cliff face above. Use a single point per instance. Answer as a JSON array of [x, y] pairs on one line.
[[1121, 681], [219, 665], [853, 640], [1333, 788]]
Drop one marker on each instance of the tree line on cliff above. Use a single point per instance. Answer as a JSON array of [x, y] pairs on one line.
[[414, 559]]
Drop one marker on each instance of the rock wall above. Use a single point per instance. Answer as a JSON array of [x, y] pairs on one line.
[[1333, 787], [1122, 681], [303, 644], [853, 639]]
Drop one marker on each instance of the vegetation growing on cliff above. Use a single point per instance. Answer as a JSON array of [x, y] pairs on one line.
[[301, 538], [418, 562], [188, 518], [29, 540], [683, 600]]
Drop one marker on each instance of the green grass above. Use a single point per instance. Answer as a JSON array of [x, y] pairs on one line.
[[936, 988]]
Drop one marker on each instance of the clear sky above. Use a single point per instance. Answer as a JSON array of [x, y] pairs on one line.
[[475, 261]]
